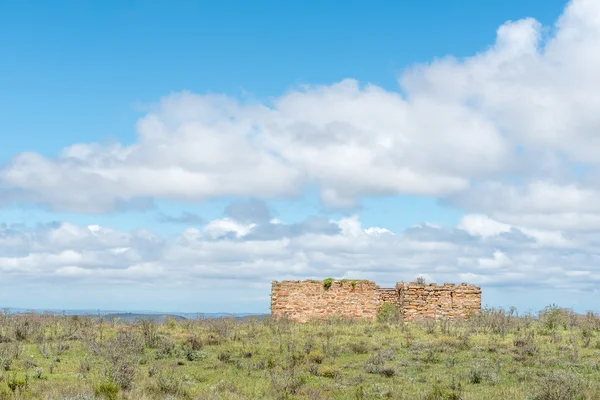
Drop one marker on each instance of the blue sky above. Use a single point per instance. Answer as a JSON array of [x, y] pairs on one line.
[[181, 155]]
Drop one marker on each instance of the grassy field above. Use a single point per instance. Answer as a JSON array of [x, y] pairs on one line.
[[496, 355]]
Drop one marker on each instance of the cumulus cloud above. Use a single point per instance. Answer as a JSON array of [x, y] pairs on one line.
[[477, 250], [461, 130], [508, 135], [348, 140], [526, 106], [539, 204]]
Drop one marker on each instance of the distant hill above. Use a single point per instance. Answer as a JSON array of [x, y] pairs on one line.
[[133, 315]]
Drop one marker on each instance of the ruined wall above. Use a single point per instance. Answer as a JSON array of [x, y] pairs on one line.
[[305, 300], [389, 295], [433, 301]]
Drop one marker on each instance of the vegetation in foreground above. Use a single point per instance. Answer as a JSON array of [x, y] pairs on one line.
[[495, 355]]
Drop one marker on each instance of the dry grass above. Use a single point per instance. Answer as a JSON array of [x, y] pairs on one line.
[[495, 355]]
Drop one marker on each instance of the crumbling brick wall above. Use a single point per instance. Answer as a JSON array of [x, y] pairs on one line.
[[389, 295], [433, 301], [305, 300]]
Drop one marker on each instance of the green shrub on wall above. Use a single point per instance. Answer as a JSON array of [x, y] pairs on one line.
[[388, 313], [327, 283]]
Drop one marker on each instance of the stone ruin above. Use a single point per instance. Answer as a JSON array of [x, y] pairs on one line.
[[310, 299]]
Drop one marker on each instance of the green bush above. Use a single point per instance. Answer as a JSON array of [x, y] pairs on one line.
[[552, 317], [193, 355], [107, 389], [123, 374], [475, 375], [439, 392], [360, 347], [16, 383], [327, 283], [316, 356], [388, 371], [388, 313], [224, 356], [5, 392], [169, 382], [329, 372], [171, 323], [559, 385]]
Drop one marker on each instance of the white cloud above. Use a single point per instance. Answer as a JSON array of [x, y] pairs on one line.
[[463, 128], [347, 140], [510, 135], [494, 257], [482, 225], [498, 260], [222, 227]]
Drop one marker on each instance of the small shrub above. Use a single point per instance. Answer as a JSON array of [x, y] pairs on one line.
[[328, 372], [171, 323], [214, 340], [123, 375], [271, 362], [431, 357], [327, 283], [552, 317], [108, 390], [316, 356], [16, 383], [388, 313], [194, 342], [169, 382], [224, 357], [5, 392], [359, 347], [475, 375], [166, 348], [430, 326], [559, 385], [149, 332], [5, 363], [388, 371], [439, 392], [286, 383], [375, 363], [22, 328], [193, 355], [421, 280], [525, 344], [84, 366], [382, 356], [371, 367], [52, 366]]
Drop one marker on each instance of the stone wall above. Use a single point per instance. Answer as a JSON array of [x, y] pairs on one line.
[[389, 295], [438, 301], [305, 300]]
